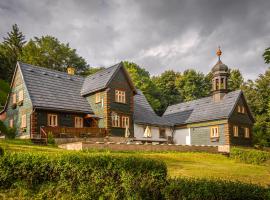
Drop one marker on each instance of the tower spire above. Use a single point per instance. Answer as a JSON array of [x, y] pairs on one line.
[[219, 52]]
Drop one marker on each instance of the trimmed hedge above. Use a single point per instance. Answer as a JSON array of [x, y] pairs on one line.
[[83, 176], [77, 175], [250, 156], [197, 189]]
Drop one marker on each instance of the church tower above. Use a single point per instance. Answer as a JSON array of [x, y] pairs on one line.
[[220, 79]]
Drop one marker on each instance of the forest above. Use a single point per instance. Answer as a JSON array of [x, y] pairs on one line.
[[170, 87]]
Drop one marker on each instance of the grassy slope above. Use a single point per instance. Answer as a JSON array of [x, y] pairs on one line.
[[200, 165]]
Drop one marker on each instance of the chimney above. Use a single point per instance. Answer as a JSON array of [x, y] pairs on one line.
[[71, 70]]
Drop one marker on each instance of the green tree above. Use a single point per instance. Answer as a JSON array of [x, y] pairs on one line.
[[193, 85], [235, 80], [49, 52], [266, 55], [168, 91], [91, 70], [10, 52], [4, 90], [142, 80]]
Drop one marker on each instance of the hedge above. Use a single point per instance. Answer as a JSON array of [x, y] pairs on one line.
[[250, 156], [83, 176], [78, 175], [197, 189]]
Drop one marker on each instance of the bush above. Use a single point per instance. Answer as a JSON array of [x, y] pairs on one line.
[[10, 133], [250, 156], [3, 128], [213, 189], [83, 176], [50, 138]]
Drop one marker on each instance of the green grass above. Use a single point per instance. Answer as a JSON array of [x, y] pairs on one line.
[[188, 164]]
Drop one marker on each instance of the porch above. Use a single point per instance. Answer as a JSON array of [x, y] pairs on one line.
[[68, 132]]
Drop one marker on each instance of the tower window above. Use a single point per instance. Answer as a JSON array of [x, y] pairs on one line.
[[217, 84]]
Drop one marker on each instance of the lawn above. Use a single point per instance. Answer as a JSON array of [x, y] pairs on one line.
[[199, 165]]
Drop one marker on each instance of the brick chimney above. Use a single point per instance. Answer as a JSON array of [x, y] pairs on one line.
[[71, 70]]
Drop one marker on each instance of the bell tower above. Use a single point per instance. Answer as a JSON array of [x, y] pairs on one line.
[[220, 78]]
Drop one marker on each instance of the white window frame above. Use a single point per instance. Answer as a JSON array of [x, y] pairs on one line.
[[98, 97], [247, 132], [125, 121], [115, 120], [52, 120], [235, 131], [78, 122], [11, 122], [214, 132], [14, 98], [23, 121], [120, 96], [21, 96]]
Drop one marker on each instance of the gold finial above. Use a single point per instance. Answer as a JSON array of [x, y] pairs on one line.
[[219, 52]]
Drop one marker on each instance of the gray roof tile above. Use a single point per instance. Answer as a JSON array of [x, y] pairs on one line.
[[50, 89], [99, 80], [204, 109], [143, 112]]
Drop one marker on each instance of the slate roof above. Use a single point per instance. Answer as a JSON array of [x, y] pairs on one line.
[[99, 80], [144, 114], [50, 89], [204, 109]]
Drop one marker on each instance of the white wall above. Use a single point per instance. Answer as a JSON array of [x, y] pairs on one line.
[[182, 136], [139, 131]]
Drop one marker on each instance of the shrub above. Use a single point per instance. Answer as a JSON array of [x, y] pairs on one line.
[[251, 156], [50, 138], [84, 176], [1, 151], [213, 189], [3, 128], [9, 133]]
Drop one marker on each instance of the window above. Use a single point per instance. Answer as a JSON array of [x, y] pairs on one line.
[[98, 99], [235, 131], [78, 122], [14, 98], [23, 121], [102, 102], [20, 95], [120, 96], [247, 132], [125, 121], [214, 131], [162, 133], [241, 109], [52, 120], [115, 120], [11, 123]]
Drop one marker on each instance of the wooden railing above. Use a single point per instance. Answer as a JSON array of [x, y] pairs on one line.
[[70, 132]]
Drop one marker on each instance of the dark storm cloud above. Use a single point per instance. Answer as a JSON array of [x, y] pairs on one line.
[[157, 34]]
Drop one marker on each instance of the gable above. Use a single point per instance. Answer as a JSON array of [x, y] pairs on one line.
[[238, 117]]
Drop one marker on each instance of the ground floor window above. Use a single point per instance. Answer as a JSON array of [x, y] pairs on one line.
[[52, 120], [235, 131], [247, 134], [214, 132], [125, 121], [162, 133], [23, 121], [78, 122], [115, 120], [11, 123]]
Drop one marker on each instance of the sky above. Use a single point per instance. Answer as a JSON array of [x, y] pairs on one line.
[[158, 35]]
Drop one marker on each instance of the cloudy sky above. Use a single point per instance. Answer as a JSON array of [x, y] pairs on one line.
[[157, 34]]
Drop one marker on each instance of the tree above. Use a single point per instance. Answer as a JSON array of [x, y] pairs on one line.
[[141, 79], [49, 52], [168, 91], [235, 80], [193, 85], [91, 70], [266, 55], [10, 52], [4, 90]]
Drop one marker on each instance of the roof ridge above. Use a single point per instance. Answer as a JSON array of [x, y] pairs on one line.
[[49, 69], [102, 70]]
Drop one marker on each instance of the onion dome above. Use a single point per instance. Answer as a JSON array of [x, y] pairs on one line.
[[219, 66]]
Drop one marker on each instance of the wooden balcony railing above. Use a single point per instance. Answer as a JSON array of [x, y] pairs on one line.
[[70, 132]]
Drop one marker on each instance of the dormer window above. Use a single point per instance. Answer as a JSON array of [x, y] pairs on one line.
[[120, 96]]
